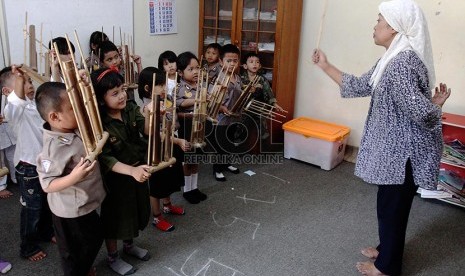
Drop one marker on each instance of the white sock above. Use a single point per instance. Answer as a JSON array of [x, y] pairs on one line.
[[195, 176], [187, 183]]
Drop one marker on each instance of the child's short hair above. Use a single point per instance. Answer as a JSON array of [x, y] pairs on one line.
[[105, 47], [105, 79], [96, 38], [170, 56], [146, 78], [62, 45], [184, 59], [215, 46], [5, 75], [249, 55], [49, 98], [229, 48]]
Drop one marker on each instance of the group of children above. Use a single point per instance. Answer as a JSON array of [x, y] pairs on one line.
[[60, 188]]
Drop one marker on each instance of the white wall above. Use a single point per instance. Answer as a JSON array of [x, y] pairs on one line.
[[347, 41], [150, 47]]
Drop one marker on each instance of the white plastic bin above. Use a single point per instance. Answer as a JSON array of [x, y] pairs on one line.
[[316, 142]]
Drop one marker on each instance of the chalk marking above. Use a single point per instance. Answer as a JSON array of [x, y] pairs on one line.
[[257, 225], [257, 200], [280, 179], [204, 268]]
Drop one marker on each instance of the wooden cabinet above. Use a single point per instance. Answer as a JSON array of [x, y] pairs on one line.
[[269, 27]]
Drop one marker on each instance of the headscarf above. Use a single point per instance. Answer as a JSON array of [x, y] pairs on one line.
[[406, 17]]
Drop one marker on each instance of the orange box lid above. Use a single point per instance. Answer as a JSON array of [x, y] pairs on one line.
[[317, 129]]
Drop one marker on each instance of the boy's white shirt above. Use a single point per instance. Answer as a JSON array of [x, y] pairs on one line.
[[26, 123]]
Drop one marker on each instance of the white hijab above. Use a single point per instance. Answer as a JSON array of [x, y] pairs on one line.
[[406, 17]]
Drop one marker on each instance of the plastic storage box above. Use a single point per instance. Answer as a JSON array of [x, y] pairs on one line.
[[316, 142]]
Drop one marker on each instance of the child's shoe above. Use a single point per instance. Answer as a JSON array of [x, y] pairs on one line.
[[191, 197], [163, 225], [4, 266], [201, 196], [119, 266], [173, 209]]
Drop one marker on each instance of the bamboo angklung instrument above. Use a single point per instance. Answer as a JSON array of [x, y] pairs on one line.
[[160, 142], [83, 101], [128, 68], [33, 74], [200, 111], [244, 98], [264, 110], [219, 90]]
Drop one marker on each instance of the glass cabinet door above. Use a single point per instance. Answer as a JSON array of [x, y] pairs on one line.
[[217, 22], [258, 31]]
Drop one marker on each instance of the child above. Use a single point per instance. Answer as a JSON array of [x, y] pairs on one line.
[[7, 149], [7, 138], [229, 57], [212, 57], [65, 55], [110, 57], [74, 185], [21, 113], [188, 68], [168, 180], [167, 62], [126, 209], [93, 61], [262, 90]]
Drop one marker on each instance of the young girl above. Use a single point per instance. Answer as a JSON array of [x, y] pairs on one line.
[[188, 69], [126, 209], [167, 63], [93, 61], [168, 180]]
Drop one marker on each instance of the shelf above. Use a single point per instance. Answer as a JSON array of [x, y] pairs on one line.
[[214, 28], [229, 18], [255, 31], [453, 120]]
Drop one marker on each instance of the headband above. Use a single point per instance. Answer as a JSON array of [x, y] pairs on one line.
[[111, 69]]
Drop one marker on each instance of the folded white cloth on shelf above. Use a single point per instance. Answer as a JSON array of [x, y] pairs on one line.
[[225, 13]]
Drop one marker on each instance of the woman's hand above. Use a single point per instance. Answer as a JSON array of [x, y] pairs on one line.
[[319, 58], [441, 94], [140, 173]]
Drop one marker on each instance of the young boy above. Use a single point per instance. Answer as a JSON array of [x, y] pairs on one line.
[[7, 139], [74, 185], [110, 56], [263, 91], [21, 113], [212, 57], [226, 128]]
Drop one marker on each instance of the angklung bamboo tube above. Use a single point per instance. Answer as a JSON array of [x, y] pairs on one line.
[[218, 93], [3, 169], [200, 112], [32, 47], [160, 143], [244, 98], [90, 100]]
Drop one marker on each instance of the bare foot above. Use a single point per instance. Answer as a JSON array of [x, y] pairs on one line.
[[38, 256], [370, 252], [368, 268], [5, 193]]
